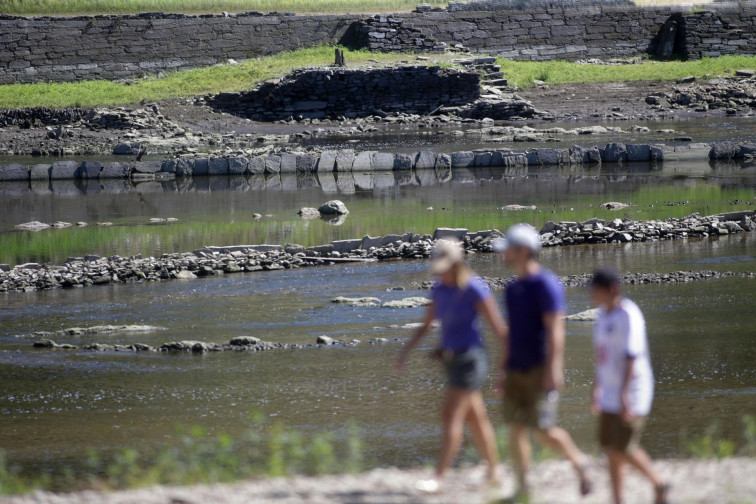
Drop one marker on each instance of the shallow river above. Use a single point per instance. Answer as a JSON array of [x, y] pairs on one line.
[[54, 405]]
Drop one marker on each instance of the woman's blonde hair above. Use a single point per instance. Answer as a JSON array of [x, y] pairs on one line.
[[462, 274]]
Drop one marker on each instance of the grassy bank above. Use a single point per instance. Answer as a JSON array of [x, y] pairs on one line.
[[195, 82], [249, 73], [73, 7], [522, 73]]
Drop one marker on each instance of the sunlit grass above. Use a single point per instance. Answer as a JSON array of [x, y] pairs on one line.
[[523, 73]]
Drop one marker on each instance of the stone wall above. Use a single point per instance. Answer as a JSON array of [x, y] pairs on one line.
[[335, 92], [113, 47]]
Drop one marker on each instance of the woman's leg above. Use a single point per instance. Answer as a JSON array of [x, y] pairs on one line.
[[455, 410], [483, 432]]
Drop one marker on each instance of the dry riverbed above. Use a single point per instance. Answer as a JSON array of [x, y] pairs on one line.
[[693, 481]]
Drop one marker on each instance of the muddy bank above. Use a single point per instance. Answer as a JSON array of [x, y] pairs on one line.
[[188, 127], [210, 261], [708, 481]]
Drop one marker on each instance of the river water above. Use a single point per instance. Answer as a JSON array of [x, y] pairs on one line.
[[54, 405]]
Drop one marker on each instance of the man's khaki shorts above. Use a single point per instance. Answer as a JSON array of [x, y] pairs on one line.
[[616, 434], [522, 392]]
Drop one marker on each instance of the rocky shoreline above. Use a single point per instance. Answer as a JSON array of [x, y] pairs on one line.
[[210, 261]]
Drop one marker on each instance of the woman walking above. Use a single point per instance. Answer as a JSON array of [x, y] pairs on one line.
[[458, 298]]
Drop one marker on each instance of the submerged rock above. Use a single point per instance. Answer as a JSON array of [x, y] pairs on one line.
[[614, 205], [86, 331]]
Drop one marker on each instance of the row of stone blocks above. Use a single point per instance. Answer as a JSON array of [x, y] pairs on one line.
[[344, 160], [347, 246]]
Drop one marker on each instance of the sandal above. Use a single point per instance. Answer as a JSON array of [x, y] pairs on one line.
[[586, 485], [662, 494]]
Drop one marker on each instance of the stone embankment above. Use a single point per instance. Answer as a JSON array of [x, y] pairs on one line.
[[343, 160], [210, 261]]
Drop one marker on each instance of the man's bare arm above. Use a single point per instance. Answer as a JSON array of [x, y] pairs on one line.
[[553, 323]]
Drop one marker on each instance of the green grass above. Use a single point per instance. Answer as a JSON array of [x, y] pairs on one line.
[[195, 456], [246, 75], [250, 73], [522, 73], [70, 7]]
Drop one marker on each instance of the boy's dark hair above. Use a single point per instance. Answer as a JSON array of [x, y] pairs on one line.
[[605, 278]]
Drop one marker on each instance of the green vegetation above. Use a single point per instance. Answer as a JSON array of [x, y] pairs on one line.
[[522, 73], [195, 82], [69, 7], [250, 73], [713, 445], [194, 456]]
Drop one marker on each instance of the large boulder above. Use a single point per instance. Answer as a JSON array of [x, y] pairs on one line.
[[333, 207], [127, 149], [14, 172], [308, 213], [614, 153]]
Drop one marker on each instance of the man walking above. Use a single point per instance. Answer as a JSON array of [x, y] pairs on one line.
[[624, 387], [532, 365]]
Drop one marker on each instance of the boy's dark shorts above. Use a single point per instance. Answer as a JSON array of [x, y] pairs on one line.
[[522, 392], [467, 370], [618, 435]]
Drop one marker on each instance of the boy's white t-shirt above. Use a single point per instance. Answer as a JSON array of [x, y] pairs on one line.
[[619, 334]]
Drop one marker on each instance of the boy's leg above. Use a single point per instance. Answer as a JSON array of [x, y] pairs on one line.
[[616, 461], [519, 445], [640, 459], [560, 440]]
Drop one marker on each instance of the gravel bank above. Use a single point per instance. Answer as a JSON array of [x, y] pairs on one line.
[[700, 481]]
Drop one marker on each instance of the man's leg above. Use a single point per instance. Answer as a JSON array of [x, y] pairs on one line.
[[482, 432], [519, 445], [616, 461], [453, 418], [559, 439]]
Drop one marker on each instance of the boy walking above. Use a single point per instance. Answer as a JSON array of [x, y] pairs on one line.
[[532, 365], [624, 387]]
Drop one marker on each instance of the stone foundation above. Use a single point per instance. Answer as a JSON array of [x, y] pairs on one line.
[[339, 92]]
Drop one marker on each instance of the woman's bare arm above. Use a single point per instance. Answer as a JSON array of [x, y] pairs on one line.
[[422, 331]]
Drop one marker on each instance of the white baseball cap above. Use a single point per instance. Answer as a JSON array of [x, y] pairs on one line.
[[519, 235], [446, 254]]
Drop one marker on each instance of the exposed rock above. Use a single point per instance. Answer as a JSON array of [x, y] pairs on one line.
[[614, 205], [410, 302], [325, 340], [185, 275], [362, 301], [46, 343], [32, 226], [244, 341], [333, 207], [309, 213], [517, 208], [584, 316]]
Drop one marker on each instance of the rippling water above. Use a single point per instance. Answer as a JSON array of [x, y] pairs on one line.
[[54, 405]]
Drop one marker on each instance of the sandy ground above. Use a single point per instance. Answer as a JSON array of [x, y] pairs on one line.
[[727, 481]]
